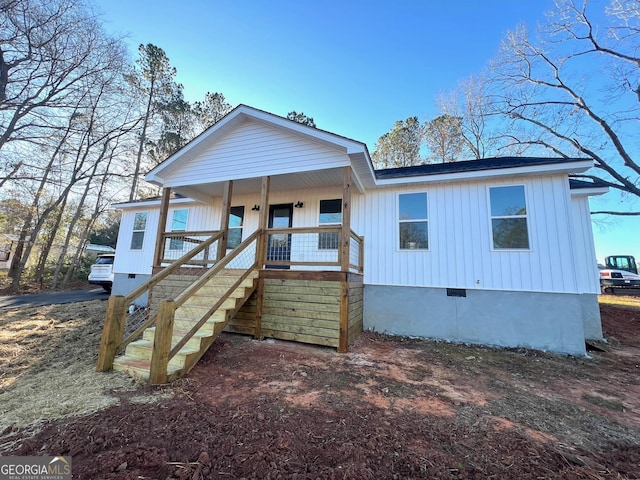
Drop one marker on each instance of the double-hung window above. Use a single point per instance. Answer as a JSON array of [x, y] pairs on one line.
[[236, 221], [509, 218], [330, 214], [413, 221], [139, 226], [178, 224]]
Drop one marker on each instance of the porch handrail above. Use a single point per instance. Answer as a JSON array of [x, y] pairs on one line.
[[154, 280], [360, 241], [358, 266], [194, 233], [318, 229], [186, 294]]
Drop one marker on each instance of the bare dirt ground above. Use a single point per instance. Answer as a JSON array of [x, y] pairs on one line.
[[390, 408]]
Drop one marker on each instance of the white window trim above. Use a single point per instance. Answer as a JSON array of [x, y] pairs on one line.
[[398, 221], [186, 224], [144, 231], [527, 216]]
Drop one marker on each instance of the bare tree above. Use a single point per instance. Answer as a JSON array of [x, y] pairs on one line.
[[49, 51], [576, 88], [470, 102]]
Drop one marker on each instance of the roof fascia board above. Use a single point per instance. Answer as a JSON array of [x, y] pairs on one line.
[[149, 203], [569, 167], [589, 192]]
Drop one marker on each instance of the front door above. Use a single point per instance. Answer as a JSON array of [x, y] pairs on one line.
[[279, 244]]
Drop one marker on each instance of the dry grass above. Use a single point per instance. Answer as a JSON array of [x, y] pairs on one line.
[[47, 360], [629, 301]]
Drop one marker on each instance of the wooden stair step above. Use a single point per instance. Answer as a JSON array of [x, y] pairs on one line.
[[139, 368], [150, 333], [137, 358], [217, 292], [142, 349]]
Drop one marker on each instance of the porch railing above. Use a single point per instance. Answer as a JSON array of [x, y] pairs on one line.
[[128, 316], [311, 248], [174, 245]]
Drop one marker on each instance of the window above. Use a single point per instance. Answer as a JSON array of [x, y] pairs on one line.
[[139, 224], [330, 214], [236, 220], [509, 218], [413, 221], [178, 224]]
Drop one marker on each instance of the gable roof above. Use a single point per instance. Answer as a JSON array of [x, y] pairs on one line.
[[346, 151], [357, 151]]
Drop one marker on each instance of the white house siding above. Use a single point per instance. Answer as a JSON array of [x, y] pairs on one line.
[[253, 150], [136, 261], [460, 254], [207, 217], [584, 248]]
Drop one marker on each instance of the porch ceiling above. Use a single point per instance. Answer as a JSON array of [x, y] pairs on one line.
[[206, 192]]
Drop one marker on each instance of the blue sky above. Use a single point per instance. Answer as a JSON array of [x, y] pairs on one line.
[[354, 66]]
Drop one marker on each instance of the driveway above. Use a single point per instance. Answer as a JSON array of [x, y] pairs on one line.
[[53, 298]]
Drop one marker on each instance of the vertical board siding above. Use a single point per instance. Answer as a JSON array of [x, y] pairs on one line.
[[587, 274], [136, 261], [460, 253], [252, 150]]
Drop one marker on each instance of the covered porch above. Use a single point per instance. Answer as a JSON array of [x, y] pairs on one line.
[[298, 283]]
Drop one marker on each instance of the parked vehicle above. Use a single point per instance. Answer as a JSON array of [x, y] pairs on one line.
[[619, 271], [102, 272]]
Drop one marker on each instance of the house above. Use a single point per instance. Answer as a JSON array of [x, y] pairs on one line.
[[496, 251], [8, 244]]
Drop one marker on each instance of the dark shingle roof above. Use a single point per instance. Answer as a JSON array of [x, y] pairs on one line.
[[469, 166]]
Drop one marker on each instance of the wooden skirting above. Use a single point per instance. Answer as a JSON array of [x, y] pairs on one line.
[[304, 306]]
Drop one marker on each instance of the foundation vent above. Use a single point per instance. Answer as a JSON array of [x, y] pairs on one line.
[[456, 292]]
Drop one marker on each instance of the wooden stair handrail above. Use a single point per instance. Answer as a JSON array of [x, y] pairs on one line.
[[193, 288], [154, 280], [210, 312], [170, 269]]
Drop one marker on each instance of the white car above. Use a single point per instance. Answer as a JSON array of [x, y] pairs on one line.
[[102, 272]]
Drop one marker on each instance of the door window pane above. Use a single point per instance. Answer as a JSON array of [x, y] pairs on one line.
[[330, 214]]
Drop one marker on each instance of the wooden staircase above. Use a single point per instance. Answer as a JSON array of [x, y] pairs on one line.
[[136, 360]]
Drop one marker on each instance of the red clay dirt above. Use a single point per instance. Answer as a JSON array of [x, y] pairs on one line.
[[392, 408]]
